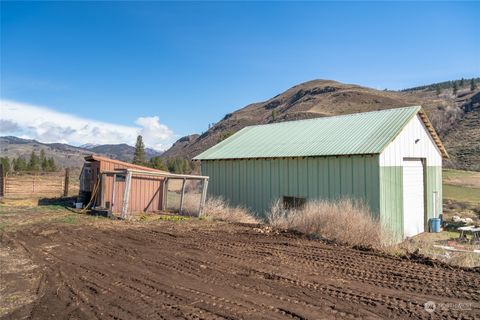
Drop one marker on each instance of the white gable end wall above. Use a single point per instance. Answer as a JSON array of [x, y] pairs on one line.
[[404, 146], [414, 141]]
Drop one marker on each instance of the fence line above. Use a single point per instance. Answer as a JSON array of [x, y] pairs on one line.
[[36, 184]]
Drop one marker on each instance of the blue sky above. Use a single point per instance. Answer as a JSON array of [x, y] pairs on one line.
[[175, 67]]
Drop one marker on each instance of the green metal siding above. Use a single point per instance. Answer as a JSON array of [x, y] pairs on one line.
[[391, 200], [256, 183], [352, 134], [434, 183], [391, 196]]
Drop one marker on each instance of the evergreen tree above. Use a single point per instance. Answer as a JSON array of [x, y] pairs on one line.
[[179, 165], [43, 161], [34, 163], [6, 164], [139, 156], [51, 166], [473, 85], [437, 90], [462, 82], [157, 163], [19, 164], [455, 87]]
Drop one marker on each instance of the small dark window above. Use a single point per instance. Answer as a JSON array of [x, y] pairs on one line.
[[119, 178], [293, 202]]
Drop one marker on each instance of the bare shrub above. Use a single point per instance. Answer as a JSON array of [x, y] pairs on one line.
[[191, 203], [443, 118], [346, 221], [216, 208]]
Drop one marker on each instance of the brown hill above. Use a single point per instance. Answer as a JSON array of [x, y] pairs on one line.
[[452, 115]]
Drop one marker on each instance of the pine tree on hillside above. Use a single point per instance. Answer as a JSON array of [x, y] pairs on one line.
[[437, 90], [34, 163], [473, 85], [19, 164], [43, 161], [6, 164], [51, 166], [157, 163], [455, 87], [462, 82], [139, 156]]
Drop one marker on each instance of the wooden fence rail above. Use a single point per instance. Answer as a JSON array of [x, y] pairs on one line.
[[26, 184]]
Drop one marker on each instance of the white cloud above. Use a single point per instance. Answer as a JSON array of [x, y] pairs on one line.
[[46, 125]]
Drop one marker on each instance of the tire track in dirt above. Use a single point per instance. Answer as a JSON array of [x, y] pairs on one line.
[[195, 270]]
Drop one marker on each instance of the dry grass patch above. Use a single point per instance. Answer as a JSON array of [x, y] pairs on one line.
[[219, 209], [345, 221]]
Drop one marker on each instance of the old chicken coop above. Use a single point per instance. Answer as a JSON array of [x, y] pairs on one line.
[[121, 187]]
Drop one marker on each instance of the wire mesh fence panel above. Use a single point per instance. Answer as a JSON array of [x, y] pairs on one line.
[[191, 196]]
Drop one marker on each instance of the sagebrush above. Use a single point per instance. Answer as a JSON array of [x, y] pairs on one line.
[[216, 208], [345, 221]]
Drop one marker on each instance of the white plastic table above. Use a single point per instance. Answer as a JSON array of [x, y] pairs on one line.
[[475, 233]]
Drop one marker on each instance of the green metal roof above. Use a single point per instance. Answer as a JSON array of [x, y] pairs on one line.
[[359, 133]]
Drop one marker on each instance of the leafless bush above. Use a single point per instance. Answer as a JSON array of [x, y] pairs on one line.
[[219, 209], [444, 117], [346, 221], [191, 203]]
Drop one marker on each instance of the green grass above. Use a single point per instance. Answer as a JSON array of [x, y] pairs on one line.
[[462, 194], [461, 186], [68, 219], [172, 218], [453, 173]]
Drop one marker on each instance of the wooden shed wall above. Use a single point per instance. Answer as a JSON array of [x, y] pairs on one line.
[[146, 193]]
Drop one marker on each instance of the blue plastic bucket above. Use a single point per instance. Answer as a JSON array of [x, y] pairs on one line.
[[434, 225]]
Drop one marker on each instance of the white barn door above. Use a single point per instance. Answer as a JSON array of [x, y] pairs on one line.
[[413, 198]]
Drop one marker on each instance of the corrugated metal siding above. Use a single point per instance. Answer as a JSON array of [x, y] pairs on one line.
[[256, 183], [391, 196], [391, 200], [145, 195], [404, 146], [361, 133], [434, 183]]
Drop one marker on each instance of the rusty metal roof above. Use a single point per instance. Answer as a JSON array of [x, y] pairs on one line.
[[359, 133], [125, 165]]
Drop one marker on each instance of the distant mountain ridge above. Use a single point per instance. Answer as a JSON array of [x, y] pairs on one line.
[[453, 116], [456, 117], [66, 155]]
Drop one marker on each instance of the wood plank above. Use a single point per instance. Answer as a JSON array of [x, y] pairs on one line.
[[126, 195], [183, 194], [203, 198]]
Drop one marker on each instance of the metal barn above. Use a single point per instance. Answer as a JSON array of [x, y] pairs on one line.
[[121, 187], [391, 159]]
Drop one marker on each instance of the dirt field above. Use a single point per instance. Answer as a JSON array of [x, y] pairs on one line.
[[84, 268]]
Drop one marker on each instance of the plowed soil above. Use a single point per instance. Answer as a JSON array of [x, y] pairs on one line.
[[205, 270]]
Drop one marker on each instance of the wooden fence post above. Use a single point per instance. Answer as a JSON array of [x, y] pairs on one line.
[[183, 194], [203, 198], [112, 204], [2, 181], [66, 183], [126, 195]]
